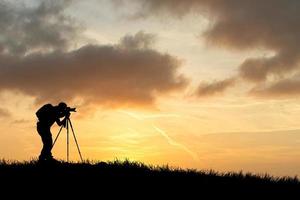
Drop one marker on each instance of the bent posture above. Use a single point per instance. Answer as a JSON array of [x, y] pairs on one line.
[[47, 116]]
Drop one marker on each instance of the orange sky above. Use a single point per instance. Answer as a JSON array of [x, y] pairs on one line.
[[168, 86]]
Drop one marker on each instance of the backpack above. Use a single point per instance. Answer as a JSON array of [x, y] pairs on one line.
[[44, 112]]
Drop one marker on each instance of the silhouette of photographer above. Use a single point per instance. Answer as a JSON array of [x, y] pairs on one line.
[[47, 116]]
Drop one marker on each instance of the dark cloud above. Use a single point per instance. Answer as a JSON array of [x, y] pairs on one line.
[[139, 41], [36, 59], [44, 27], [272, 25], [283, 88], [216, 87], [123, 74]]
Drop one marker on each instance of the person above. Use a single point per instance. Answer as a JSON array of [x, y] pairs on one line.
[[47, 116]]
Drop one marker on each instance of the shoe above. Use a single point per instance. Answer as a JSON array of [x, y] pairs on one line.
[[52, 160], [49, 160]]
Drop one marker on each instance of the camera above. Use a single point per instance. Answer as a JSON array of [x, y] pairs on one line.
[[69, 109]]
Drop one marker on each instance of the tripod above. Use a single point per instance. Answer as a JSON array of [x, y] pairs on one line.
[[68, 123]]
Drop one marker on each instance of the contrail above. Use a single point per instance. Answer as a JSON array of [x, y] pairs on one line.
[[174, 143], [163, 133], [142, 117], [130, 114]]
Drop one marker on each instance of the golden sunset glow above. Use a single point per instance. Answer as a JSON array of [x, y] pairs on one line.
[[176, 83]]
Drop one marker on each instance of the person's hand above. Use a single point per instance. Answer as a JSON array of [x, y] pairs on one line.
[[68, 114], [64, 123]]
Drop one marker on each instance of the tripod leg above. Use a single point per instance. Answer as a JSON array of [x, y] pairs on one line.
[[67, 140], [75, 140], [57, 136]]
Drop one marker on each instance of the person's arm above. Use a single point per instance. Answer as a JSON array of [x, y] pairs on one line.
[[62, 122]]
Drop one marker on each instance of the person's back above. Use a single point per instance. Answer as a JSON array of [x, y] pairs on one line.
[[47, 116]]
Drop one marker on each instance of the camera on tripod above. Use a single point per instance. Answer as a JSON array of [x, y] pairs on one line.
[[69, 109]]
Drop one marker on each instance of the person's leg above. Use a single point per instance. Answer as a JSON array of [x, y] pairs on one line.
[[47, 145], [46, 137]]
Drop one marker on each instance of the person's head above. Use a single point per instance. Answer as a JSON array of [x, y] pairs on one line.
[[62, 107]]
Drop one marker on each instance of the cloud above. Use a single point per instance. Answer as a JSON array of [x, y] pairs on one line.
[[271, 25], [283, 88], [4, 113], [38, 58], [139, 41], [21, 121], [214, 88], [128, 73], [41, 27]]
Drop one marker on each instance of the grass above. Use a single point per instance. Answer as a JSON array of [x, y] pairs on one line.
[[120, 174]]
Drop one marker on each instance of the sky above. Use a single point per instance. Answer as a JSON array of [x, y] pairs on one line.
[[193, 84]]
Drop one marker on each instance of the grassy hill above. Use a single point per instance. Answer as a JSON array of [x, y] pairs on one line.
[[138, 176]]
